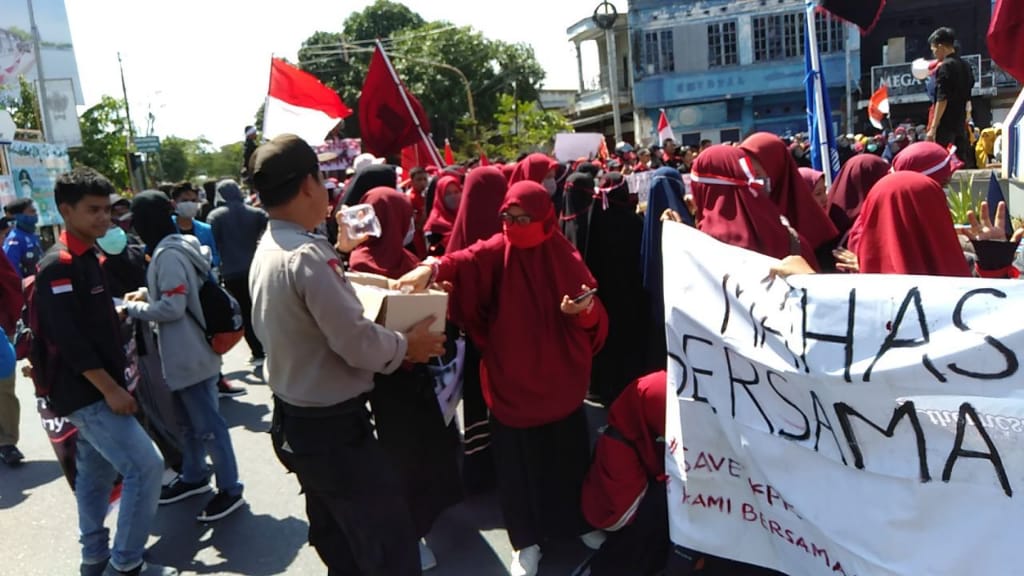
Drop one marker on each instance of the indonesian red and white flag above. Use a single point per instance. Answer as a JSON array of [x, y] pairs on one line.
[[878, 107], [299, 104], [664, 129]]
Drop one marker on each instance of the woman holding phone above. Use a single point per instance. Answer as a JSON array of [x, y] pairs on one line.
[[525, 297]]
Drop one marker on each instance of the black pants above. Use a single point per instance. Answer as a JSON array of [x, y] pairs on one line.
[[358, 518], [239, 288], [540, 474], [642, 547], [964, 150]]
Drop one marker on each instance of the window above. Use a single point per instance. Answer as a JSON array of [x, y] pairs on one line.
[[781, 36], [722, 49], [659, 52]]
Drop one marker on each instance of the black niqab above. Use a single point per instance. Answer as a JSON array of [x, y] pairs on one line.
[[151, 217], [366, 179], [579, 195]]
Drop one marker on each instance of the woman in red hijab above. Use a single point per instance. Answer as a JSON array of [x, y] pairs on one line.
[[406, 413], [734, 207], [907, 229], [478, 219], [773, 161], [538, 168], [815, 180], [851, 187], [438, 228], [387, 256], [927, 158], [516, 292]]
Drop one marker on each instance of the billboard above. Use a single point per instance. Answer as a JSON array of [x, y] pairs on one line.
[[35, 168], [17, 53], [62, 117], [904, 87]]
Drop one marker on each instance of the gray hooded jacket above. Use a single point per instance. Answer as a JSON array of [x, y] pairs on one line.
[[236, 230], [178, 269]]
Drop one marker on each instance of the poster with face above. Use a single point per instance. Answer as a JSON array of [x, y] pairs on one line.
[[35, 168]]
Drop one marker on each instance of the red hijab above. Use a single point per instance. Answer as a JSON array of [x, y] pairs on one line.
[[386, 255], [789, 191], [507, 170], [734, 208], [534, 168], [478, 217], [907, 229], [927, 158], [441, 217], [536, 359], [846, 197]]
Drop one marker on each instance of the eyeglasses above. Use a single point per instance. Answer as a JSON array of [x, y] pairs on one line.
[[522, 220]]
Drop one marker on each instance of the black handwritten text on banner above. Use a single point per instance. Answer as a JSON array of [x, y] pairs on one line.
[[842, 424]]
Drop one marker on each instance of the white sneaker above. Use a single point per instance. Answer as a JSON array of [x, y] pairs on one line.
[[427, 559], [526, 561], [594, 540]]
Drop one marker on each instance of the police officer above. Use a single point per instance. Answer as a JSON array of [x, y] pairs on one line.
[[322, 355], [22, 245]]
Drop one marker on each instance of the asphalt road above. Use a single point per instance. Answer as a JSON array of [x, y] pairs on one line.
[[38, 520]]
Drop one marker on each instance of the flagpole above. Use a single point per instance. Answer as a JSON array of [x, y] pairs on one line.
[[266, 101], [408, 106], [819, 97]]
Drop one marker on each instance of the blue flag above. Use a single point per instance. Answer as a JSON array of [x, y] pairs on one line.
[[815, 80], [995, 196]]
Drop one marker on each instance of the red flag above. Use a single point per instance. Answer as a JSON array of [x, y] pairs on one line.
[[449, 155], [602, 150], [1004, 43], [385, 122], [417, 156], [297, 103], [878, 107], [664, 129], [863, 13], [484, 161]]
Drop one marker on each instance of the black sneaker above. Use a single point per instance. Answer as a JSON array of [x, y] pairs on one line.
[[11, 455], [220, 506], [226, 390], [144, 569], [96, 569], [179, 490]]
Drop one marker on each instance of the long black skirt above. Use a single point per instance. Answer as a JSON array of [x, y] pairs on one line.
[[477, 460], [540, 474], [411, 429]]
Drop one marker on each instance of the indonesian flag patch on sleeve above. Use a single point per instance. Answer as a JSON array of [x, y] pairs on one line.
[[62, 286]]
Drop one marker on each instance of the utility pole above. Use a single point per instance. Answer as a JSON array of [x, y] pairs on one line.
[[44, 108], [849, 31], [605, 16], [131, 134]]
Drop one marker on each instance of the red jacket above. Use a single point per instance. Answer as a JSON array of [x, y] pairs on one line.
[[10, 297]]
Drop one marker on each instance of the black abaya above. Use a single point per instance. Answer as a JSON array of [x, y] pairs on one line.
[[613, 255]]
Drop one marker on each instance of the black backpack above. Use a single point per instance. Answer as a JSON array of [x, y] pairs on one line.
[[222, 314]]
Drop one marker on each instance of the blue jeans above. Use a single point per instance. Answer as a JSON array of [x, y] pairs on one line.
[[205, 432], [109, 445]]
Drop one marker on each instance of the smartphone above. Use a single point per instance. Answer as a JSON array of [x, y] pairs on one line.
[[579, 299]]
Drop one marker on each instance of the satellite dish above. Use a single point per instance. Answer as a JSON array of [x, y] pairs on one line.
[[921, 68], [7, 127]]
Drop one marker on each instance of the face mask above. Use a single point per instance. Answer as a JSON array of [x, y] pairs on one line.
[[451, 201], [187, 209], [524, 237], [114, 241], [411, 234], [550, 185], [26, 223]]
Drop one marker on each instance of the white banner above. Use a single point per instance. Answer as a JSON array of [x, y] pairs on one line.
[[842, 424]]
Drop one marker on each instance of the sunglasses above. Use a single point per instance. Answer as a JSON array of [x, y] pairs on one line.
[[522, 220]]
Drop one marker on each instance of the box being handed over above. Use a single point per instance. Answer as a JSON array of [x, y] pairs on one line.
[[395, 310]]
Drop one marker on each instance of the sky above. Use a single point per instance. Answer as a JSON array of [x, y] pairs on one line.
[[201, 66]]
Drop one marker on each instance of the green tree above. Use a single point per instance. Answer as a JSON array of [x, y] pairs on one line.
[[104, 140], [177, 156], [26, 114], [492, 68], [522, 127]]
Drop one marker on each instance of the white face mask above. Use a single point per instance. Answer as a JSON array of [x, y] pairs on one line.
[[411, 234], [187, 209], [551, 186]]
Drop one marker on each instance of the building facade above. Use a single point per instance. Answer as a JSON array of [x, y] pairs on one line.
[[592, 108], [724, 68]]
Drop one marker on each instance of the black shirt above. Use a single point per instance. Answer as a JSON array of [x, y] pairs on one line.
[[78, 326], [953, 83]]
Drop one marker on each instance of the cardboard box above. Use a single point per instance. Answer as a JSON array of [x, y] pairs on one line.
[[393, 309]]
